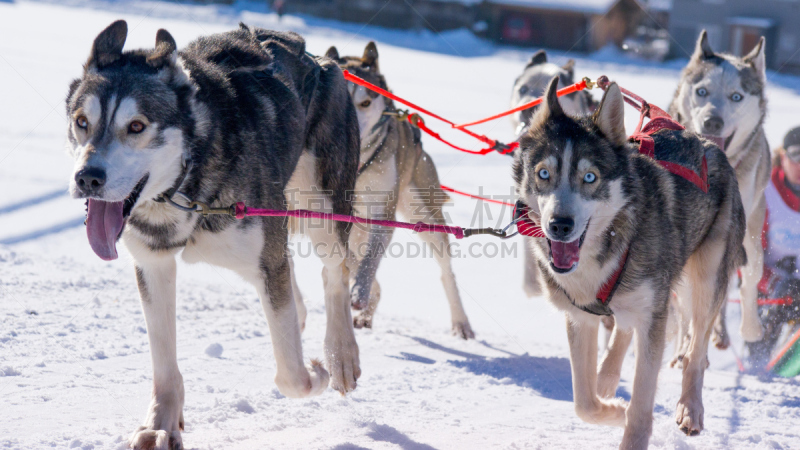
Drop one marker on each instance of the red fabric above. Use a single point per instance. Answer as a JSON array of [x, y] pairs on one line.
[[525, 225], [789, 197], [605, 291], [644, 136], [243, 211]]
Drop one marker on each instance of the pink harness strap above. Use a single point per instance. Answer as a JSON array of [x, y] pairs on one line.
[[243, 211]]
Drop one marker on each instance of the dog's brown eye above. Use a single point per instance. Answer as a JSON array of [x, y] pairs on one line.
[[136, 127], [82, 122], [365, 103]]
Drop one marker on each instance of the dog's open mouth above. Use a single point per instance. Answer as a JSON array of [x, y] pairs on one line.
[[564, 256], [105, 221], [722, 142]]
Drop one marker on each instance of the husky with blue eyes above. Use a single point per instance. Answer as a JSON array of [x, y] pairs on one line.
[[621, 233], [529, 86], [722, 97]]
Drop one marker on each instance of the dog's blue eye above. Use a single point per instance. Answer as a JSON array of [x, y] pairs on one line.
[[544, 174], [589, 177], [702, 92], [737, 97], [523, 90]]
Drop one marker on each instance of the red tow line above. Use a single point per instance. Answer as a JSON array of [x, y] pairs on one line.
[[494, 145]]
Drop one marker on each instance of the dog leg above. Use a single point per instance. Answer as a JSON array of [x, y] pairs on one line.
[[364, 318], [705, 271], [751, 328], [361, 293], [293, 378], [302, 312], [681, 302], [650, 340], [164, 421], [530, 283], [582, 335], [341, 350], [429, 208], [439, 246], [611, 366], [719, 335]]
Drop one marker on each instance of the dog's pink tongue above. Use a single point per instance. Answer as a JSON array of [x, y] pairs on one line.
[[565, 254], [719, 140], [103, 224]]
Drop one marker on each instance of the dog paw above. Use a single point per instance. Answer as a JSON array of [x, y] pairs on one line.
[[362, 320], [607, 385], [343, 363], [603, 412], [359, 298], [308, 383], [721, 339], [689, 416], [148, 439], [752, 331], [463, 330]]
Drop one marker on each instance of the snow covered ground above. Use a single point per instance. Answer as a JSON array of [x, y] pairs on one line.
[[74, 362]]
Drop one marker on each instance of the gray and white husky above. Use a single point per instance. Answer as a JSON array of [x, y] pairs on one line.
[[236, 116], [395, 175], [722, 96], [532, 84], [528, 87], [610, 213]]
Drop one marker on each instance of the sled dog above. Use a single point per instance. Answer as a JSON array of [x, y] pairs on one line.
[[395, 175], [722, 97], [617, 222], [245, 116], [528, 87]]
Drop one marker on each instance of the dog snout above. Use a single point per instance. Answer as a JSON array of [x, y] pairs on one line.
[[90, 181], [561, 227], [713, 125]]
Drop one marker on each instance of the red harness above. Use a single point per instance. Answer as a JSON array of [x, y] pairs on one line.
[[644, 136]]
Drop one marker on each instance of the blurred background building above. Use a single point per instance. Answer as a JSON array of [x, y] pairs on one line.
[[650, 29]]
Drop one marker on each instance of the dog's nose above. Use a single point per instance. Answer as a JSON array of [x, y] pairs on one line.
[[561, 227], [713, 125], [90, 180]]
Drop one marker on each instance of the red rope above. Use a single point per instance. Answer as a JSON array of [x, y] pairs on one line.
[[419, 123], [785, 301], [561, 92], [493, 145], [476, 197]]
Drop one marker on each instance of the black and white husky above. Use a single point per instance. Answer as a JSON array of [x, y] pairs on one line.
[[394, 166], [239, 116], [618, 222], [722, 96]]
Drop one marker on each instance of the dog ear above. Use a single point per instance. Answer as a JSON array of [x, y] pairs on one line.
[[569, 67], [332, 53], [107, 46], [370, 57], [552, 107], [165, 48], [539, 57], [702, 49], [610, 115], [757, 58]]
